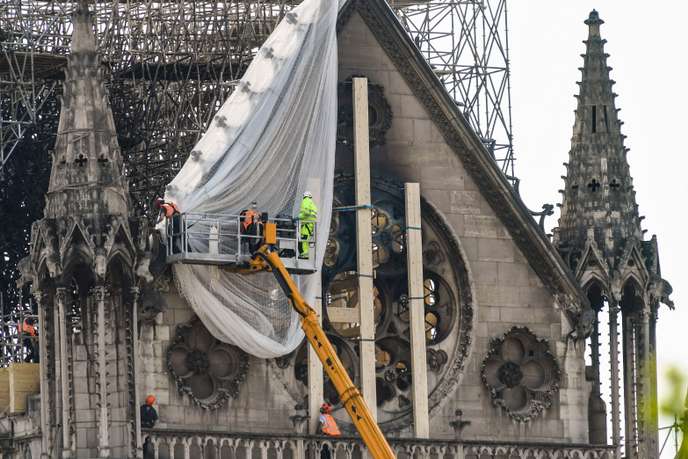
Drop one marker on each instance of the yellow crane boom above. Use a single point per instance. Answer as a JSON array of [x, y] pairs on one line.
[[266, 258]]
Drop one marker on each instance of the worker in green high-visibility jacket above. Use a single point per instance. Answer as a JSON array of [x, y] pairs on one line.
[[307, 216]]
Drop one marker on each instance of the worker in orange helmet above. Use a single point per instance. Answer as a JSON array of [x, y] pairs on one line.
[[328, 426], [148, 418], [148, 414]]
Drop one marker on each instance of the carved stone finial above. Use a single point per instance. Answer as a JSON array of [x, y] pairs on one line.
[[458, 424], [594, 18], [83, 38]]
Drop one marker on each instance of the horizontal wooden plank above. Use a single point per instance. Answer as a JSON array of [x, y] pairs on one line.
[[343, 315]]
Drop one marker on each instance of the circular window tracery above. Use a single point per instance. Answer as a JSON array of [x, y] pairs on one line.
[[521, 374], [206, 369], [447, 298]]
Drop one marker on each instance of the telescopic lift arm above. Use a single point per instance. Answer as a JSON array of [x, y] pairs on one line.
[[266, 258]]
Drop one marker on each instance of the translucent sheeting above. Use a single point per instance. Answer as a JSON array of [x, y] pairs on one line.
[[273, 139]]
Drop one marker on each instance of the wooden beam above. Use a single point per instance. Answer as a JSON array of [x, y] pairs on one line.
[[343, 315], [364, 243], [414, 261]]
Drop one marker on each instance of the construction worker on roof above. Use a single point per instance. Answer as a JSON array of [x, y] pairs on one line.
[[251, 226], [170, 211], [249, 216], [166, 209], [328, 426], [27, 327], [307, 216], [149, 416], [27, 330]]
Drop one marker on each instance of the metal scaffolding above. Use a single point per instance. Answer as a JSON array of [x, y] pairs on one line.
[[466, 43], [170, 64], [19, 337]]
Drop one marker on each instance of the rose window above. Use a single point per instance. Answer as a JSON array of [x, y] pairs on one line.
[[521, 374], [447, 301], [203, 367]]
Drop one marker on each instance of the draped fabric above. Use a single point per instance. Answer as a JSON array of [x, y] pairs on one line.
[[271, 141]]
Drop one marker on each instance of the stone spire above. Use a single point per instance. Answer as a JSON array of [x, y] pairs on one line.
[[84, 257], [598, 193], [86, 177], [600, 237]]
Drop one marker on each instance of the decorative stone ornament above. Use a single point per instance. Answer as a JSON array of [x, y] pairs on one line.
[[379, 114], [521, 374], [206, 369]]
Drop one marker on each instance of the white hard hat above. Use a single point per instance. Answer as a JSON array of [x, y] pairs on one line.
[[307, 194]]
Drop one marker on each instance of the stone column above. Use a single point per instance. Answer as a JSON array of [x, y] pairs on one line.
[[100, 294], [597, 416], [647, 401], [614, 375], [60, 299], [629, 367], [654, 432], [46, 431], [135, 365]]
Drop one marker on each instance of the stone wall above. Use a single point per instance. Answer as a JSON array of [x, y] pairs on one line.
[[508, 291], [262, 403]]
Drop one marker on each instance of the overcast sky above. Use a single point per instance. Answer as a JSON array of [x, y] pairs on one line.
[[645, 44]]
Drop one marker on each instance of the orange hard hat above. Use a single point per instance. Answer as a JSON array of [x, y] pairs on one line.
[[150, 399]]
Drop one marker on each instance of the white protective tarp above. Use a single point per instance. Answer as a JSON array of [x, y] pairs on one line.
[[273, 139]]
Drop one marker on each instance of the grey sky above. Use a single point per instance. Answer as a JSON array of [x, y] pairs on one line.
[[645, 43]]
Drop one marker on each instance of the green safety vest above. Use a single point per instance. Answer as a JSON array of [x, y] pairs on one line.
[[309, 211]]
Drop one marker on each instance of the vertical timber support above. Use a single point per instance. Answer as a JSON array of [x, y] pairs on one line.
[[364, 243], [614, 376], [61, 298], [100, 295], [46, 430], [414, 262], [315, 373]]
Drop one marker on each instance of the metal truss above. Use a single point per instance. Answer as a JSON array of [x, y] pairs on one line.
[[466, 43]]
